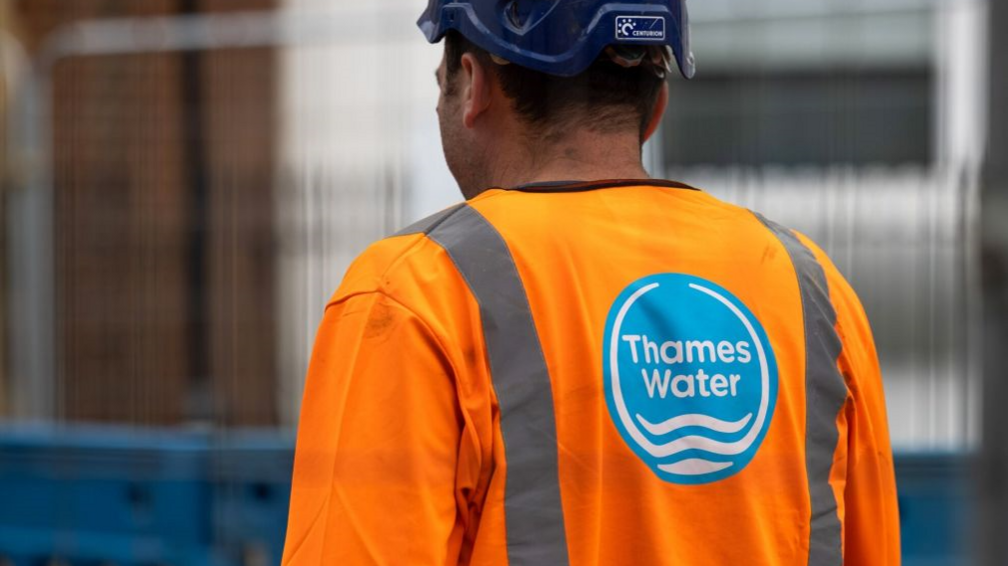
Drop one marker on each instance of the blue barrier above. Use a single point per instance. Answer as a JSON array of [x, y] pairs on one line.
[[93, 495], [935, 511], [103, 496], [251, 474]]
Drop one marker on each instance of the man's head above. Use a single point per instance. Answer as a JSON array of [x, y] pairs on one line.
[[567, 96], [488, 107]]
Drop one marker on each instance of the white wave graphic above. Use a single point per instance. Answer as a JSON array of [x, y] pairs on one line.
[[694, 467], [703, 421]]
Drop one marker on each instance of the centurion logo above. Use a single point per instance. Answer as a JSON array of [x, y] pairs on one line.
[[690, 377], [640, 28]]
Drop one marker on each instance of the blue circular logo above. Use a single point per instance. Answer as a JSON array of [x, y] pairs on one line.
[[690, 377]]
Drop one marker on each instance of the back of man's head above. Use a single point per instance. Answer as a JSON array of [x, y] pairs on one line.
[[605, 98]]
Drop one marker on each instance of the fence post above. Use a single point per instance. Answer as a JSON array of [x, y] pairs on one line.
[[993, 496]]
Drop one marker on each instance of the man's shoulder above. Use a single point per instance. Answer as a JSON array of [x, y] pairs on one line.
[[851, 317], [840, 288], [400, 262]]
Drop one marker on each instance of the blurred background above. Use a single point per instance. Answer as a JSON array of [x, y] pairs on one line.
[[184, 182]]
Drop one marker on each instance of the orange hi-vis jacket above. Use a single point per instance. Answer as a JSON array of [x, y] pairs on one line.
[[593, 374]]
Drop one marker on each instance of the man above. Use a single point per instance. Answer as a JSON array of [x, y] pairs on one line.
[[580, 365]]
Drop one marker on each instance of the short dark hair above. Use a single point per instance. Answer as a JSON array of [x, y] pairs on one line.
[[598, 98]]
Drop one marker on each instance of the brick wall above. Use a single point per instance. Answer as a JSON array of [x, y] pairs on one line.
[[163, 175]]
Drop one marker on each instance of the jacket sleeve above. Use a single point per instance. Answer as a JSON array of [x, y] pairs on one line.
[[871, 526], [870, 514], [375, 464]]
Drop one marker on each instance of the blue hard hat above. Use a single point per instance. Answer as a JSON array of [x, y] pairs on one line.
[[562, 37]]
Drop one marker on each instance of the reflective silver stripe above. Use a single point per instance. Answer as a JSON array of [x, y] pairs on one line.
[[825, 394], [425, 225], [533, 511]]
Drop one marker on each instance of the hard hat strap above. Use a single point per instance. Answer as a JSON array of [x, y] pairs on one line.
[[629, 56]]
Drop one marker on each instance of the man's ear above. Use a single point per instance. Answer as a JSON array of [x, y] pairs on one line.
[[659, 110], [476, 89]]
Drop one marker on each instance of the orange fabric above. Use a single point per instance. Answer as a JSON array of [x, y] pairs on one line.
[[400, 459]]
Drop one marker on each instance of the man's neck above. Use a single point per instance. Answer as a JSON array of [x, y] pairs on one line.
[[568, 170], [585, 156]]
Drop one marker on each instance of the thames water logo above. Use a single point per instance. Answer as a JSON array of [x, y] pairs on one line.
[[690, 377], [643, 28]]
